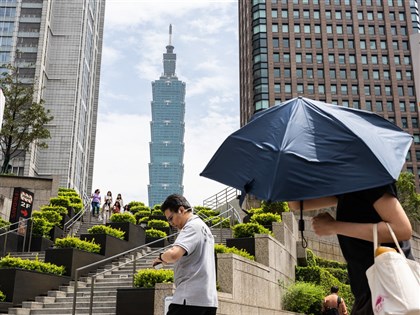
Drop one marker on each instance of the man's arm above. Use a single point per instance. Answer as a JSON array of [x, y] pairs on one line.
[[170, 256], [314, 204], [343, 307]]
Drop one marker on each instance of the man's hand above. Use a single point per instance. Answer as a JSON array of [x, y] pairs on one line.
[[323, 224]]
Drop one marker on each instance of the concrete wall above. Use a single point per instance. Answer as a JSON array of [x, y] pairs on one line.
[[43, 189]]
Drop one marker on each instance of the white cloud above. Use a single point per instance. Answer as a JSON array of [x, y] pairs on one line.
[[136, 33]]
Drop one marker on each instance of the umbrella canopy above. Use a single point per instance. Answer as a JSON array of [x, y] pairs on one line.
[[304, 149]]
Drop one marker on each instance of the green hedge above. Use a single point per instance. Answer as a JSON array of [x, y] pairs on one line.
[[221, 249], [52, 217], [41, 227], [216, 220], [157, 224], [102, 229], [248, 230], [143, 220], [74, 242], [122, 217], [207, 213], [265, 218], [2, 297], [27, 264], [141, 214], [3, 223], [275, 207], [304, 298], [155, 233], [60, 201], [147, 278], [59, 209], [157, 212]]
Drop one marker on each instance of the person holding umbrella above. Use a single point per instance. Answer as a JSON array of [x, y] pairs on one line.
[[356, 214]]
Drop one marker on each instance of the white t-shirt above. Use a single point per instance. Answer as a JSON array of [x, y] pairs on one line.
[[195, 272]]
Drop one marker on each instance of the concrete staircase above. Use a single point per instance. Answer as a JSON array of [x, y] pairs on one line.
[[28, 255], [105, 291]]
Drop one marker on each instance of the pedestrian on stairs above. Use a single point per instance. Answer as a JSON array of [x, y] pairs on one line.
[[96, 202], [193, 256], [334, 304]]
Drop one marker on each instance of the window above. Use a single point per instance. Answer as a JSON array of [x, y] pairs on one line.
[[320, 73], [298, 58], [288, 88], [285, 43], [367, 89], [362, 44], [402, 106], [321, 88], [343, 74], [379, 107], [377, 89], [277, 72], [275, 28], [319, 58], [333, 89], [404, 122], [298, 43], [296, 28], [390, 107], [375, 74], [274, 14], [373, 45], [286, 57], [369, 105], [299, 73], [277, 88], [310, 73], [309, 58], [299, 88], [388, 91], [344, 89], [332, 74], [354, 90], [308, 43], [366, 74], [285, 28], [287, 72], [414, 122], [276, 57]]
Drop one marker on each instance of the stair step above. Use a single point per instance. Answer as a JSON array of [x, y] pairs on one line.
[[81, 310]]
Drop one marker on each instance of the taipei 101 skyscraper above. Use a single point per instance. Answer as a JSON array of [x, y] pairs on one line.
[[166, 168]]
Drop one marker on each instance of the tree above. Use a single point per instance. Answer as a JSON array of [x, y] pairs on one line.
[[24, 120], [409, 198]]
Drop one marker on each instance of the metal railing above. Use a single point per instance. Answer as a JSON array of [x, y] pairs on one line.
[[9, 229], [222, 198], [68, 228], [134, 252]]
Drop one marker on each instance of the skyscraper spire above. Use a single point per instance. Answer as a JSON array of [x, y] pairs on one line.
[[170, 34]]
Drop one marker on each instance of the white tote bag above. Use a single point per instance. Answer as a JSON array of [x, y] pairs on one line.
[[394, 281]]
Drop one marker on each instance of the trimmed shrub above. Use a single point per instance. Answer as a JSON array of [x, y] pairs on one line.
[[3, 223], [60, 201], [52, 217], [255, 211], [220, 248], [136, 203], [122, 217], [199, 208], [15, 262], [265, 218], [207, 213], [157, 224], [141, 214], [326, 263], [58, 209], [155, 233], [143, 220], [157, 212], [248, 230], [147, 278], [41, 227], [156, 207], [76, 206], [275, 207], [305, 298], [74, 242], [2, 297], [216, 220], [102, 229]]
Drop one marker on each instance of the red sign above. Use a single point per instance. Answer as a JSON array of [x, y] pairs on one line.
[[22, 202]]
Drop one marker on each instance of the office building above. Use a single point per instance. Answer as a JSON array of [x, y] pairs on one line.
[[361, 54], [166, 167], [56, 45]]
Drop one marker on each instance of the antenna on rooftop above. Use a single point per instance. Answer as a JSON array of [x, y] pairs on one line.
[[170, 34]]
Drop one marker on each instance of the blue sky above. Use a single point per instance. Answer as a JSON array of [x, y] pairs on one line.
[[205, 37]]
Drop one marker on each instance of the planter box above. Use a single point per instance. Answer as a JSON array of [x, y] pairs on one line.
[[246, 243], [161, 243], [21, 285], [133, 233], [110, 245], [135, 301], [38, 244], [56, 232], [4, 307], [71, 259], [14, 243], [142, 301]]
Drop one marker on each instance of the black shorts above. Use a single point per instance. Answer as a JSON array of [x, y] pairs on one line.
[[177, 309]]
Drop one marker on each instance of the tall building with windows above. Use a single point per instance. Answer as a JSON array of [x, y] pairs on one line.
[[362, 54], [166, 167], [57, 45]]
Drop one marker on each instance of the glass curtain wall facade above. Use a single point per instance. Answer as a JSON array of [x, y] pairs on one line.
[[354, 53], [166, 168], [57, 45]]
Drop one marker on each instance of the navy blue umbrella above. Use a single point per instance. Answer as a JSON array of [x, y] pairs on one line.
[[305, 149]]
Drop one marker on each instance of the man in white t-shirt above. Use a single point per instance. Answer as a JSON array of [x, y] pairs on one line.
[[193, 256]]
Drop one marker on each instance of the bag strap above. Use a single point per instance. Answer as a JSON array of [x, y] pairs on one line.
[[375, 238], [394, 238]]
